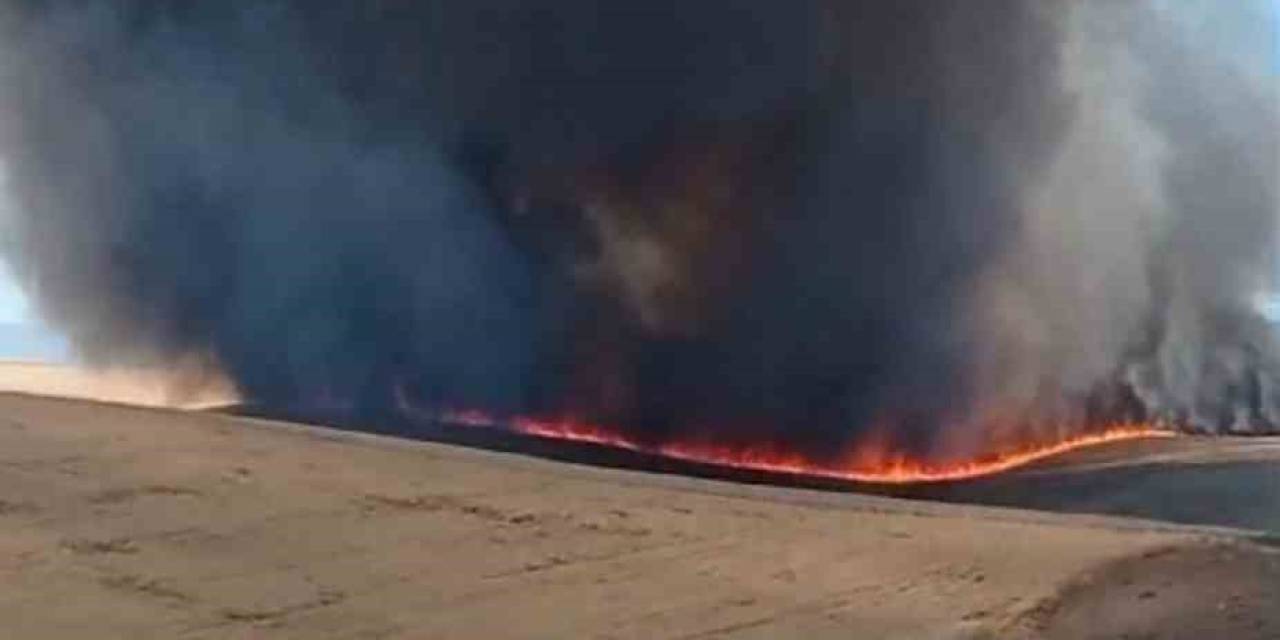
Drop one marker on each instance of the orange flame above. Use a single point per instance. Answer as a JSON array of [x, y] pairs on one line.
[[863, 466]]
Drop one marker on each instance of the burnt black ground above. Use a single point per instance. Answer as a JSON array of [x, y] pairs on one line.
[[1201, 481], [1197, 481]]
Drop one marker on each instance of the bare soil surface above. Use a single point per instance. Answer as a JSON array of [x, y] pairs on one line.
[[120, 522], [190, 389], [1191, 593]]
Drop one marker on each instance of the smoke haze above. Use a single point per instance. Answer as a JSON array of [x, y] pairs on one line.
[[935, 224]]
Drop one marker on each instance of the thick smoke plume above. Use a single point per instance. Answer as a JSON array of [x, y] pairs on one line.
[[935, 224]]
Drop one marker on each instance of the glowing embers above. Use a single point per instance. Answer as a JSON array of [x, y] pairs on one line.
[[865, 465]]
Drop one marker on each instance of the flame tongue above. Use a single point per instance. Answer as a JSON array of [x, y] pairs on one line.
[[860, 466]]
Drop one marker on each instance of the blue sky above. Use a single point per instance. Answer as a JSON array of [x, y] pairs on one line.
[[13, 305]]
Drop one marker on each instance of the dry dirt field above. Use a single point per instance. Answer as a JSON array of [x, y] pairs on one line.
[[135, 388], [121, 522]]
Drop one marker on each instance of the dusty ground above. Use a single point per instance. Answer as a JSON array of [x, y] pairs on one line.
[[137, 523], [192, 389]]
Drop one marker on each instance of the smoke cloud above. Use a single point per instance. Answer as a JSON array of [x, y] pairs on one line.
[[934, 224]]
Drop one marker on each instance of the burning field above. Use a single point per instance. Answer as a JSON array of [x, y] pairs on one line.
[[883, 242], [866, 465], [984, 253], [121, 522]]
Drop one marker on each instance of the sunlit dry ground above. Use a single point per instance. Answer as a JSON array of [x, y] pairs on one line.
[[133, 387], [132, 523]]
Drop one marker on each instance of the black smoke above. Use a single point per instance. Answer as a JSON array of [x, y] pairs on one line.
[[785, 222]]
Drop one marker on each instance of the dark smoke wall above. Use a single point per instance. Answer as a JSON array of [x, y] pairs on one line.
[[932, 223], [188, 181]]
